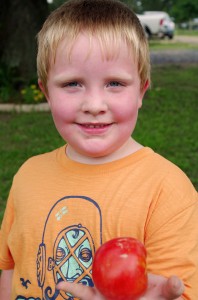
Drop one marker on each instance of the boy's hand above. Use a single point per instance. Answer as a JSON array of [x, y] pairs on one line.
[[159, 288], [80, 291]]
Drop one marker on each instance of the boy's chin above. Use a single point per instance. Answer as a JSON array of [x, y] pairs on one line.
[[89, 155], [97, 155]]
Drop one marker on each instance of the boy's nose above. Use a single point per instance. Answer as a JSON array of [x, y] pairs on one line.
[[94, 105]]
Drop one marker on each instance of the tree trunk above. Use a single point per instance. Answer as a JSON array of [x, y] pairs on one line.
[[20, 21]]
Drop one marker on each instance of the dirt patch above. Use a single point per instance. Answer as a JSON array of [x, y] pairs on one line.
[[5, 116], [186, 39]]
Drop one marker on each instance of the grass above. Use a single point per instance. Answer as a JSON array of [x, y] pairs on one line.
[[160, 45], [167, 122], [168, 119], [23, 135], [175, 43], [189, 32]]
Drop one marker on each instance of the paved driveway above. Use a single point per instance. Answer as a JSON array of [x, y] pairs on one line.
[[177, 56]]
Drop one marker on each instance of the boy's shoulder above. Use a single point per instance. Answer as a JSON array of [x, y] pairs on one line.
[[44, 160], [169, 173], [162, 164]]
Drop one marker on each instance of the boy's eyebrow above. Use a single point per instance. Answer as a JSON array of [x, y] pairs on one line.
[[64, 77], [117, 76], [120, 77]]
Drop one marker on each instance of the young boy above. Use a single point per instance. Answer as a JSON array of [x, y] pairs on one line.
[[93, 67]]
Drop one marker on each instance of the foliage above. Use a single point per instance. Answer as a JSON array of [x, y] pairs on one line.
[[32, 93], [184, 10], [181, 10], [55, 4], [167, 122], [134, 4], [14, 89], [9, 84], [156, 5], [20, 21]]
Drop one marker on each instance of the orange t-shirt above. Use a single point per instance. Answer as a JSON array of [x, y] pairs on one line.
[[60, 211]]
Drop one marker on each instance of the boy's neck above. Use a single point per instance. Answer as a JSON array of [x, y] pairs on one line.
[[128, 148]]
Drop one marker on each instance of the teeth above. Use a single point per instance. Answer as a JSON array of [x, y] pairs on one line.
[[93, 126]]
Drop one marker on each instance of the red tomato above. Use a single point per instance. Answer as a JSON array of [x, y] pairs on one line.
[[119, 269]]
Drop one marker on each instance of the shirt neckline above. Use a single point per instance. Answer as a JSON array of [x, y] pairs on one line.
[[82, 168]]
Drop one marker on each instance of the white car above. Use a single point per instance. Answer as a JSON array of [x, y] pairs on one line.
[[157, 23]]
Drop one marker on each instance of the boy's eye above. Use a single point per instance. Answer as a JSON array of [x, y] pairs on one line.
[[114, 84], [72, 84]]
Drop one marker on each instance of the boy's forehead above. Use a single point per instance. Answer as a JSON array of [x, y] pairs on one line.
[[86, 44]]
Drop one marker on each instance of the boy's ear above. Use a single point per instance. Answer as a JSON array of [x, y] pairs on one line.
[[146, 86], [43, 89], [143, 91]]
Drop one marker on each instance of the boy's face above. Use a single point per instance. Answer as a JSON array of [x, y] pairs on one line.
[[94, 101]]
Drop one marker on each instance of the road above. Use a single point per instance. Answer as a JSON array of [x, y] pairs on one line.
[[177, 56], [174, 57]]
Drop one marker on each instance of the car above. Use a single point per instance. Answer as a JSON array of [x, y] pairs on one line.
[[195, 23], [157, 23]]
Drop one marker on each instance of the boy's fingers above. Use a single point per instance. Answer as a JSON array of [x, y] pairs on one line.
[[173, 288], [77, 290]]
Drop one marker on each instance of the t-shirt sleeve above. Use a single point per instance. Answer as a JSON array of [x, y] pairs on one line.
[[6, 260], [172, 234]]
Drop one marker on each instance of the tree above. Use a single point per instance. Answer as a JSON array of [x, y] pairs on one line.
[[20, 21], [157, 5], [181, 10], [184, 10], [134, 4]]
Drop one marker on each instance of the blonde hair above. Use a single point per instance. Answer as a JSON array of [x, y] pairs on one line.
[[111, 21]]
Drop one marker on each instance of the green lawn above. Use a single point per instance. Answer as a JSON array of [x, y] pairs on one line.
[[168, 122], [177, 43], [189, 32], [162, 45]]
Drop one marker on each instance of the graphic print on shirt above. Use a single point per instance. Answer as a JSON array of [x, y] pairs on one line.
[[25, 282], [72, 230]]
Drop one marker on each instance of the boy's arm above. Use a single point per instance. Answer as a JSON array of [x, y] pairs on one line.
[[5, 284]]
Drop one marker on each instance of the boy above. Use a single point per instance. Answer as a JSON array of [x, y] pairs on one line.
[[93, 67]]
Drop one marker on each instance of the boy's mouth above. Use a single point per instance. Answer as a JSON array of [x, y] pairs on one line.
[[95, 128], [95, 125]]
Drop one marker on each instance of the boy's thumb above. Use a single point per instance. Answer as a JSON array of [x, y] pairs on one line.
[[173, 288]]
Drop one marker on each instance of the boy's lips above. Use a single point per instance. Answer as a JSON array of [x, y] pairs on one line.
[[95, 127]]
